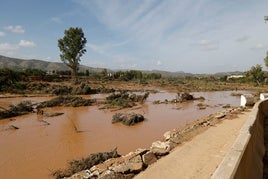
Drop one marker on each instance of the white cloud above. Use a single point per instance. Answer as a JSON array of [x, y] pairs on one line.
[[2, 34], [8, 47], [242, 38], [15, 29], [208, 45], [133, 65], [56, 20], [97, 48], [158, 63], [164, 28], [258, 47], [25, 43]]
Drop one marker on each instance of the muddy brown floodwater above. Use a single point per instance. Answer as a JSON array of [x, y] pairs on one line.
[[36, 149]]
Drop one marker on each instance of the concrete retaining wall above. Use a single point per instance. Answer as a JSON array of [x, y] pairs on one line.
[[245, 159]]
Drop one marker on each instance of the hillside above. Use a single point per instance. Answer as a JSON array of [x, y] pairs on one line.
[[20, 64]]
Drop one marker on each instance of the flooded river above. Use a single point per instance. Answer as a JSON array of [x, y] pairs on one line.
[[36, 148]]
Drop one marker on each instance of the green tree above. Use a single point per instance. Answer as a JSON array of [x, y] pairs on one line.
[[256, 74], [72, 47], [266, 59]]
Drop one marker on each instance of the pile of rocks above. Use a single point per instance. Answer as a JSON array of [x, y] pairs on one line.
[[126, 166]]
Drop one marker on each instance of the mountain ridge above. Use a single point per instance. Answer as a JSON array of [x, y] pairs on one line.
[[21, 64]]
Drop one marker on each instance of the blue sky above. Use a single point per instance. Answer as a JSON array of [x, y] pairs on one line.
[[197, 36]]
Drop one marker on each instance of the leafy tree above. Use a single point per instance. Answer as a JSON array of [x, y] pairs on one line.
[[256, 74], [72, 47], [87, 72], [266, 59], [34, 72]]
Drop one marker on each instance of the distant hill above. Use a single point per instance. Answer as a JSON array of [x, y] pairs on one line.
[[20, 64]]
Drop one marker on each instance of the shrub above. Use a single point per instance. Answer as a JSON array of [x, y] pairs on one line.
[[85, 163]]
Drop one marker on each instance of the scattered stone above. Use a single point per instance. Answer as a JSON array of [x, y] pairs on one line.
[[135, 164], [13, 127], [45, 122], [85, 174], [53, 114], [176, 139], [226, 106], [160, 148], [149, 158], [108, 174], [220, 115], [167, 135]]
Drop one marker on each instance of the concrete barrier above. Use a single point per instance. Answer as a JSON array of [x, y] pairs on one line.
[[247, 100], [245, 158], [263, 96]]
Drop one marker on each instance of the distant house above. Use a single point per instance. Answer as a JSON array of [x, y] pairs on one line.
[[234, 77], [51, 72]]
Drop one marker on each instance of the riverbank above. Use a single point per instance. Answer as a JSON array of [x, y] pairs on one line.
[[199, 157], [197, 144], [81, 131]]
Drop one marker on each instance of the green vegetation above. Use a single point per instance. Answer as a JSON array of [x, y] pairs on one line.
[[266, 59], [256, 74], [72, 47]]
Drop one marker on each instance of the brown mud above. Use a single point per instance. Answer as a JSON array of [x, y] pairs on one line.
[[35, 149]]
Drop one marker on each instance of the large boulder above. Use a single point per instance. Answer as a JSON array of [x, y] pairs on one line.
[[161, 148], [149, 158], [134, 164]]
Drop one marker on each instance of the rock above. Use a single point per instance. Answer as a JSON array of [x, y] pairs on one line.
[[176, 139], [220, 115], [134, 164], [160, 148], [85, 174], [167, 135], [13, 127], [226, 106], [108, 174], [149, 158], [53, 114]]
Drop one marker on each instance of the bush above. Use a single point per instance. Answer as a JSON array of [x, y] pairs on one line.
[[123, 99], [15, 110], [85, 163], [127, 119], [67, 101]]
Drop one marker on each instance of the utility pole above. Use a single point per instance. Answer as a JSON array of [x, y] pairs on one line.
[[265, 18]]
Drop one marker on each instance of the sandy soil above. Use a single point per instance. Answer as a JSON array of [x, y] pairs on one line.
[[199, 157]]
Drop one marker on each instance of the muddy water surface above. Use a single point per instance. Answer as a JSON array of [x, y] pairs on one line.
[[36, 148]]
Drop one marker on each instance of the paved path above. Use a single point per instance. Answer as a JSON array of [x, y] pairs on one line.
[[199, 157]]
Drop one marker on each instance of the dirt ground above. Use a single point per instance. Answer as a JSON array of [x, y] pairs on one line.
[[199, 157]]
